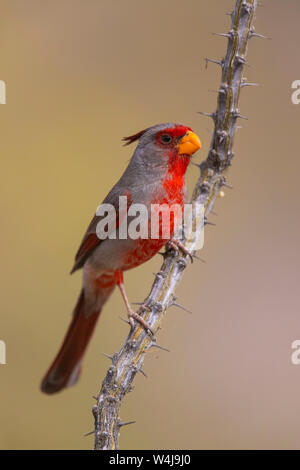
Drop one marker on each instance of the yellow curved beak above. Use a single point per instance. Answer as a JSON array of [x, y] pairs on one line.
[[189, 144]]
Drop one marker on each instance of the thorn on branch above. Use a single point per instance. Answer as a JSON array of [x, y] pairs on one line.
[[253, 34], [261, 36], [225, 183], [236, 114], [225, 35], [108, 356], [143, 373], [125, 320], [155, 345], [211, 115], [229, 35], [206, 222], [121, 424], [199, 259], [213, 61], [89, 433], [221, 90], [175, 304], [244, 83]]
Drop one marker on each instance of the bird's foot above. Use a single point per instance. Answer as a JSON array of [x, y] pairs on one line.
[[133, 316], [178, 246]]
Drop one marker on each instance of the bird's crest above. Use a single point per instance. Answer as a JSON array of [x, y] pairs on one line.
[[132, 138]]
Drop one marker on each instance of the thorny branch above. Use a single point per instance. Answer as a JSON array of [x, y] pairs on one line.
[[129, 360]]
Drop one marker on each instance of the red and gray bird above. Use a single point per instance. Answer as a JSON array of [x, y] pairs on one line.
[[154, 175]]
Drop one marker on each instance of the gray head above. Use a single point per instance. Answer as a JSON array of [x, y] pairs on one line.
[[157, 143]]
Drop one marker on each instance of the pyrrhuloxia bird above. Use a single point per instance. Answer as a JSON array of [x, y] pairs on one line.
[[155, 175]]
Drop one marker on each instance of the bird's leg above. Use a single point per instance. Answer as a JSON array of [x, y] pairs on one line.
[[132, 315], [177, 245]]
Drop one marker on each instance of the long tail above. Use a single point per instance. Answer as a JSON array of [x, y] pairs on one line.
[[65, 369]]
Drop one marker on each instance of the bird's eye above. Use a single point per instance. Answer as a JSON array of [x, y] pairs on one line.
[[166, 138]]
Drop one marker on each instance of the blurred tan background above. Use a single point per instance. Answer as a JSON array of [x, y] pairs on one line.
[[80, 75]]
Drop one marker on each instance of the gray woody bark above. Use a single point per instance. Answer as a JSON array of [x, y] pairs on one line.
[[129, 360]]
